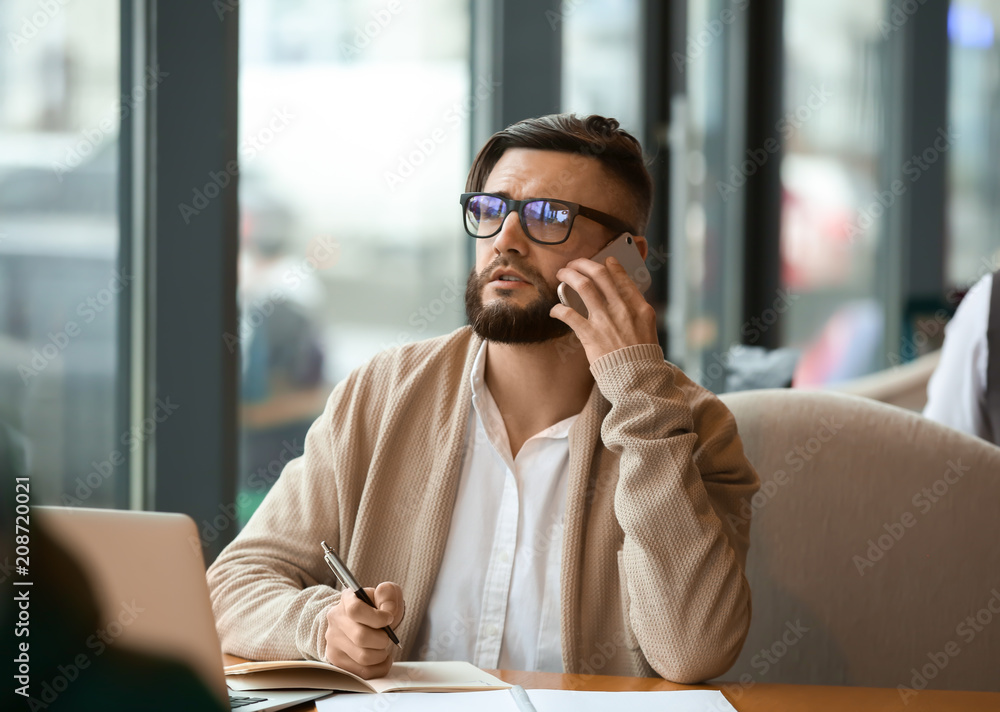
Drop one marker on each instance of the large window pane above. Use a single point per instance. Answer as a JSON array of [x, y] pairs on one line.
[[60, 107], [706, 223], [974, 175], [832, 225], [601, 62], [354, 145]]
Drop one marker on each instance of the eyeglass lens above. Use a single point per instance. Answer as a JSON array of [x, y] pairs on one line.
[[546, 220]]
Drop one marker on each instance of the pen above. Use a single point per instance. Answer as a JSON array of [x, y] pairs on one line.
[[522, 699], [347, 579]]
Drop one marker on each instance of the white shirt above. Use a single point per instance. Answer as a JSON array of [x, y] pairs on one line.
[[956, 393], [496, 599]]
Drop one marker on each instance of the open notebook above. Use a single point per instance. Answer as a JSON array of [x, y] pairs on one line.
[[405, 676], [543, 701]]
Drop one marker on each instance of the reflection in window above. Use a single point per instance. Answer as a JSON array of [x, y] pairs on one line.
[[354, 125], [60, 105]]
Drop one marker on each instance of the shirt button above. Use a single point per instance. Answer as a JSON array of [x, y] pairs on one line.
[[504, 556], [491, 630]]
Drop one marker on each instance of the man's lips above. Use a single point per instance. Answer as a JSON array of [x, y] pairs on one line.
[[507, 279], [507, 284]]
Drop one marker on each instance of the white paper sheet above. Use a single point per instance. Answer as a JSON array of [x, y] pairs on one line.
[[544, 701]]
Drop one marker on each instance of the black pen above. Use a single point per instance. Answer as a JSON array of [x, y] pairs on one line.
[[347, 579]]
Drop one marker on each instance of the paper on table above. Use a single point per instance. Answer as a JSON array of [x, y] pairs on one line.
[[672, 701], [543, 700]]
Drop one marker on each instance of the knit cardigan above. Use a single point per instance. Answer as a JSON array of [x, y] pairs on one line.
[[655, 538]]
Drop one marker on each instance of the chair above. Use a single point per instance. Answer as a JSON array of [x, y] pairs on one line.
[[905, 386], [875, 536]]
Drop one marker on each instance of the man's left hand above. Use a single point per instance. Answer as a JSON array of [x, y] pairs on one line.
[[618, 314]]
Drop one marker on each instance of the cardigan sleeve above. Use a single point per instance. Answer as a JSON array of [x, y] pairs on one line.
[[683, 477], [270, 587]]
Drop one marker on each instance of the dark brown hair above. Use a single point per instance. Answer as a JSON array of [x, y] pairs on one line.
[[595, 136]]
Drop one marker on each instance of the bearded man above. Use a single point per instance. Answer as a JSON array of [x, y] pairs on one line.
[[538, 490]]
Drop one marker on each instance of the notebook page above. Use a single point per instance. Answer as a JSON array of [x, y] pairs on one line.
[[450, 676]]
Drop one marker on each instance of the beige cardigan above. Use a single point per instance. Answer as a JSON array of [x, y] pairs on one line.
[[654, 546]]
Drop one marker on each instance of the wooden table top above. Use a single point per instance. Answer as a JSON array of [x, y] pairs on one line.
[[758, 697]]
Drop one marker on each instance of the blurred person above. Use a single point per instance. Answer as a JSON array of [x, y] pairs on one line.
[[964, 390], [282, 386], [535, 491], [69, 666]]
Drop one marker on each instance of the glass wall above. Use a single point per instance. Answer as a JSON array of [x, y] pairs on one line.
[[602, 60], [354, 125], [60, 109], [973, 247], [832, 223], [706, 222]]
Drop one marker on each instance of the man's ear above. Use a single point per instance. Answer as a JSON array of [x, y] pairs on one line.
[[640, 242]]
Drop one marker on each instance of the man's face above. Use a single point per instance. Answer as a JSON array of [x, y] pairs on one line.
[[518, 311]]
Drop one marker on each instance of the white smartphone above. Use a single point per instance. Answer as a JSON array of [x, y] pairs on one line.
[[623, 249]]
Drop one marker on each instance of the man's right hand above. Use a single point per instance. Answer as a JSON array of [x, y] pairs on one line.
[[355, 640]]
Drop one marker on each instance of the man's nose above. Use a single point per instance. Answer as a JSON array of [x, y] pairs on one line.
[[511, 237]]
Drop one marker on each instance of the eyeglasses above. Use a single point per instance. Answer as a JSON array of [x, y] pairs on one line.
[[543, 220]]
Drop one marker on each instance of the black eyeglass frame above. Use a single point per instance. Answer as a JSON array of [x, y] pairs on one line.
[[609, 221]]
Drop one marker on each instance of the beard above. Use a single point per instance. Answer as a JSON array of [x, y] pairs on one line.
[[507, 323]]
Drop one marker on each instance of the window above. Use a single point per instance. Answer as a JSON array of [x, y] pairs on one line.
[[601, 62], [974, 179], [354, 126], [707, 193], [832, 224], [60, 285]]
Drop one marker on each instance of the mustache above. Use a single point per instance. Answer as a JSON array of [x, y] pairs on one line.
[[527, 270]]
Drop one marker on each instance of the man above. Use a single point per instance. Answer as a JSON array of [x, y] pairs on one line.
[[542, 490], [964, 391]]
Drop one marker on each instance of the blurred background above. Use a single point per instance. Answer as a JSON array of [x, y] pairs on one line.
[[172, 322]]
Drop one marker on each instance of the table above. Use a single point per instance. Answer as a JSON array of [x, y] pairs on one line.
[[759, 697]]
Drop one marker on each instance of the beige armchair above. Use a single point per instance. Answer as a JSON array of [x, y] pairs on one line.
[[875, 546], [905, 386]]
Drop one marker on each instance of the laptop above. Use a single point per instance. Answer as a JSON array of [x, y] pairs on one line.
[[148, 575]]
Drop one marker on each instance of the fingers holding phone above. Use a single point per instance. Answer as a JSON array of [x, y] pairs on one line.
[[601, 299]]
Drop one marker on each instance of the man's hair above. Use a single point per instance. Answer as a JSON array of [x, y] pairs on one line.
[[595, 136]]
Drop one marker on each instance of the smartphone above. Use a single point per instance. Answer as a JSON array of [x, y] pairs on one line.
[[623, 249]]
